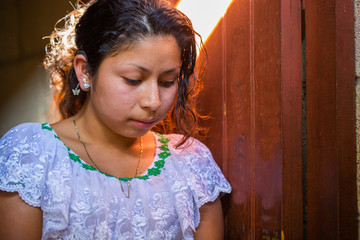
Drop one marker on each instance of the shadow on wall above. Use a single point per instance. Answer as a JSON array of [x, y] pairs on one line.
[[25, 92]]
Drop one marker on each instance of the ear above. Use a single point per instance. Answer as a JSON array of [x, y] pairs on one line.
[[81, 71]]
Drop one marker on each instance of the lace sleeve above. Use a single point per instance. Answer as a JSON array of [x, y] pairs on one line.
[[22, 164], [207, 181], [204, 180]]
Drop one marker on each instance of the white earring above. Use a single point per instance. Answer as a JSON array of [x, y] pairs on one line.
[[76, 91], [86, 84]]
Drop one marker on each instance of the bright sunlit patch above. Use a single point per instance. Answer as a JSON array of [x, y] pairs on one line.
[[204, 14]]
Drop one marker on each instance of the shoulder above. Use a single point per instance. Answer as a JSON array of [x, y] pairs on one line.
[[25, 140], [193, 154], [24, 156], [28, 129], [193, 174], [24, 128], [31, 135], [192, 145], [194, 160]]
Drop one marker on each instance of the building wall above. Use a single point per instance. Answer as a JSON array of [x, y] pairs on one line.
[[24, 91]]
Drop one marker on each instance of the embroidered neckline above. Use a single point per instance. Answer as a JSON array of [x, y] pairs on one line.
[[154, 171]]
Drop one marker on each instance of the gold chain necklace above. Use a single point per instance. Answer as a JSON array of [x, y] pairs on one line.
[[87, 153]]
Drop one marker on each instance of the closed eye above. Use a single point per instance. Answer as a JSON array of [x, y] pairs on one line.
[[132, 81], [167, 83]]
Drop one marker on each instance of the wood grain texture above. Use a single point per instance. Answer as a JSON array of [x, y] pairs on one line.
[[345, 91], [244, 87], [291, 71], [253, 91], [238, 117], [266, 119], [331, 125]]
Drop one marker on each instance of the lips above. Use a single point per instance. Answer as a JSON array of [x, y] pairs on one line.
[[144, 123]]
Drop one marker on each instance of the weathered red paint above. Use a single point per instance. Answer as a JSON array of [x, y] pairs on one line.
[[331, 119], [244, 94], [253, 89], [292, 73]]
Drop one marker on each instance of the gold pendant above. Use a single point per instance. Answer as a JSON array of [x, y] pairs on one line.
[[128, 190]]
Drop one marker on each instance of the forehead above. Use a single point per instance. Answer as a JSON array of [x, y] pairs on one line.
[[151, 42], [157, 53]]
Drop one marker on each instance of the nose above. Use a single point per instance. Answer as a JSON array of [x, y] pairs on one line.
[[150, 96]]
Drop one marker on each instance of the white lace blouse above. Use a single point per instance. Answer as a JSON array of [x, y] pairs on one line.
[[79, 202]]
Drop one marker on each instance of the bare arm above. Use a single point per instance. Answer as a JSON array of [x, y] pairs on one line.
[[18, 219], [211, 225]]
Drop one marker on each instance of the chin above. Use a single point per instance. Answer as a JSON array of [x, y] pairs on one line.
[[134, 134]]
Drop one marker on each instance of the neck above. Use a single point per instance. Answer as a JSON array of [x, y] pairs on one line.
[[94, 131]]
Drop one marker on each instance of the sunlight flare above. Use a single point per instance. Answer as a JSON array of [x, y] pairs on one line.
[[204, 14]]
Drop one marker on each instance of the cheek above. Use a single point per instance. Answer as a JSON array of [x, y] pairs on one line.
[[112, 97], [170, 98]]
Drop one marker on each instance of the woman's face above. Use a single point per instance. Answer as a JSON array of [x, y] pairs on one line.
[[136, 88]]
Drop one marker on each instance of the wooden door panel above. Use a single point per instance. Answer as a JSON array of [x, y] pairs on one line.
[[236, 64], [330, 97], [253, 89], [266, 117], [292, 75]]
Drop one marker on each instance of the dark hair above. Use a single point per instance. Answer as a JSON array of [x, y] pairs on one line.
[[105, 27]]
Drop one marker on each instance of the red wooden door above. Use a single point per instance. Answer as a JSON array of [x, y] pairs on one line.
[[280, 90], [330, 75], [254, 93], [256, 127]]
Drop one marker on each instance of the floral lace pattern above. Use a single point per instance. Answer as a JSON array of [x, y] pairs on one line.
[[80, 203], [159, 164]]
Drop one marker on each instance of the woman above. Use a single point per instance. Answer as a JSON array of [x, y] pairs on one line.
[[121, 68]]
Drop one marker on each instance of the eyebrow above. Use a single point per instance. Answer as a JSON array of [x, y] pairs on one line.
[[147, 70]]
